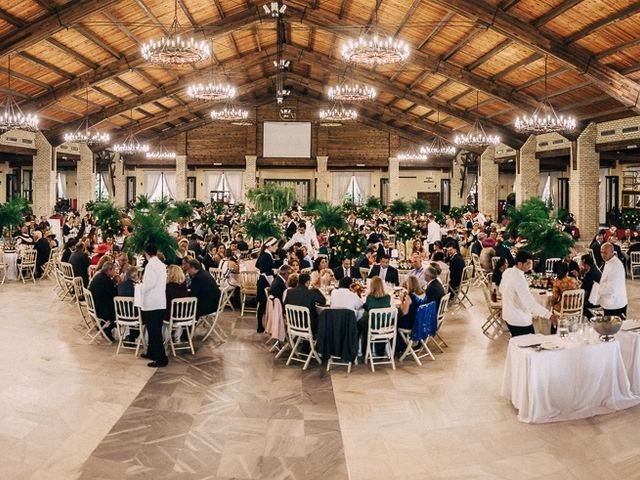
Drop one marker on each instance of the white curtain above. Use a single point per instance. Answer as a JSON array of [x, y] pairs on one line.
[[364, 182], [169, 184], [234, 183], [212, 181], [340, 185], [152, 185], [61, 183]]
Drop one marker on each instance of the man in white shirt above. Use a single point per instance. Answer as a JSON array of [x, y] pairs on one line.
[[613, 291], [433, 232], [154, 304], [343, 297], [301, 237], [518, 304]]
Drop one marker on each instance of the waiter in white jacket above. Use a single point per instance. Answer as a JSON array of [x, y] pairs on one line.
[[154, 304], [612, 293]]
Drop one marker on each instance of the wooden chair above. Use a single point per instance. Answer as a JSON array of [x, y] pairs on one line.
[[382, 330], [27, 263], [634, 263], [248, 288], [571, 303], [128, 318], [212, 320], [182, 316], [492, 327], [299, 331], [97, 323], [48, 267], [461, 294], [81, 303], [442, 310], [480, 274]]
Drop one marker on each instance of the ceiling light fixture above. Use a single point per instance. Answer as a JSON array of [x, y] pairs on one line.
[[84, 134], [351, 93], [131, 145], [476, 137], [11, 115], [337, 114]]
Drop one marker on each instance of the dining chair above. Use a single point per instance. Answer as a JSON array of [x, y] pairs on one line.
[[211, 320], [97, 323], [248, 288], [442, 310], [128, 319], [492, 327], [182, 315], [571, 303], [81, 303], [461, 294], [635, 263], [4, 267], [549, 264], [299, 331], [27, 263], [381, 330]]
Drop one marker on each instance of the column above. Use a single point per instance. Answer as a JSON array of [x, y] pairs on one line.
[[120, 181], [457, 200], [488, 183], [323, 179], [584, 176], [86, 177], [527, 171], [249, 175], [394, 179], [44, 177], [181, 177]]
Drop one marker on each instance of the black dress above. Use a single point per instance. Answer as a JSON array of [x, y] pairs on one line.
[[265, 265]]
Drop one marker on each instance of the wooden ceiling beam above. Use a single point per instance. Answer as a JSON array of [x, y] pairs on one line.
[[436, 30], [123, 84], [93, 38], [623, 89], [143, 6], [7, 17], [407, 16], [27, 79], [72, 53], [187, 13], [618, 48], [219, 8], [490, 54], [605, 22], [55, 21], [463, 42], [42, 63], [516, 66], [131, 60], [556, 12], [107, 94]]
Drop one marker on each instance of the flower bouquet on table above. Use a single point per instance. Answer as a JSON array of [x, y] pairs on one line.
[[350, 244], [406, 230], [630, 218], [405, 265]]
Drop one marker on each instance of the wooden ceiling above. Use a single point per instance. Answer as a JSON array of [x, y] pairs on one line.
[[59, 48]]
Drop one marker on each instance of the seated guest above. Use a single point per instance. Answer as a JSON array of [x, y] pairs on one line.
[[503, 252], [303, 296], [386, 272], [279, 284], [595, 245], [80, 262], [103, 288], [23, 237], [126, 287], [418, 249], [69, 247], [418, 269], [194, 245], [304, 263], [346, 270], [183, 249], [376, 298], [486, 254], [204, 288], [562, 283], [368, 260], [295, 266], [438, 252], [456, 265], [434, 290], [321, 276], [411, 300], [43, 250], [384, 249], [571, 266], [496, 276], [98, 252], [589, 274], [344, 297], [209, 260], [176, 286]]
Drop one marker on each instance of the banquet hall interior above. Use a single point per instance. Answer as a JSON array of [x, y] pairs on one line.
[[326, 194]]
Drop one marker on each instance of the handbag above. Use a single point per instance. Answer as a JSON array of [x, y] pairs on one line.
[[594, 296]]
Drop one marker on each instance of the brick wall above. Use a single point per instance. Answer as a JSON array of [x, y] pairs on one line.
[[86, 177], [44, 177], [584, 178], [527, 171], [488, 183]]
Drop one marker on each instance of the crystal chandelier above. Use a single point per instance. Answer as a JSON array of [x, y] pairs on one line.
[[336, 114], [131, 145], [439, 147], [274, 9], [173, 49], [211, 92], [544, 118], [84, 134], [161, 154], [351, 93], [412, 154], [476, 137], [231, 113], [11, 115]]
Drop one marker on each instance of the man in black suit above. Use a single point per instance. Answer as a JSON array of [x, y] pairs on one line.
[[372, 237], [590, 275], [303, 296], [386, 272], [204, 288], [346, 270], [43, 249], [504, 252], [572, 266], [368, 260], [595, 248], [80, 262], [384, 249], [104, 290], [456, 265], [291, 227], [279, 284], [434, 291]]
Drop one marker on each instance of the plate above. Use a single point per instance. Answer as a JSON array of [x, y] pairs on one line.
[[549, 346]]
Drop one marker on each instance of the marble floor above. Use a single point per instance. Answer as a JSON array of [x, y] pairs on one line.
[[72, 410]]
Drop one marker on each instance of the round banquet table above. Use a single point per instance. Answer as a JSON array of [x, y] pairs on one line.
[[12, 271]]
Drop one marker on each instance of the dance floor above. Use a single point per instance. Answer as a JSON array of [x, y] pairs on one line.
[[71, 410]]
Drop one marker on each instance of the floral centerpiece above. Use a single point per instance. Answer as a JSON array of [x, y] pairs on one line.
[[108, 218], [630, 218], [209, 219], [405, 265], [351, 244], [406, 230]]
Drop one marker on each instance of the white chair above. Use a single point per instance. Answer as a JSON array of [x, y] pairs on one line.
[[442, 310], [481, 275], [97, 323], [492, 327], [571, 303], [128, 318], [423, 350], [494, 262], [81, 303], [634, 265], [4, 267], [444, 277], [248, 288], [48, 267], [182, 316], [27, 264], [549, 263], [306, 270], [382, 330], [299, 331], [218, 275], [461, 294], [67, 279], [211, 320]]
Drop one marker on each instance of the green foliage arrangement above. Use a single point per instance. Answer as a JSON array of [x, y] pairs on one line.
[[149, 226], [374, 203], [239, 208], [440, 217], [108, 218], [398, 208], [329, 216], [161, 205], [209, 219], [365, 213], [544, 240], [350, 244], [419, 205], [406, 230], [532, 210], [630, 218], [311, 205], [179, 212], [263, 225], [142, 203], [12, 213], [271, 198], [457, 212]]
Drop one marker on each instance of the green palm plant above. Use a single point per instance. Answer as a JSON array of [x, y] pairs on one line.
[[142, 203], [180, 212], [329, 216], [263, 225], [398, 208], [12, 214], [531, 210], [271, 198], [108, 218], [374, 203], [419, 205], [544, 239], [150, 227]]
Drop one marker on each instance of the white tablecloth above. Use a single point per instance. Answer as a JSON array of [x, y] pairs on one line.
[[577, 381], [630, 349], [12, 271]]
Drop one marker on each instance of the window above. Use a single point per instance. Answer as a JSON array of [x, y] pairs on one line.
[[131, 189], [445, 194], [191, 187], [612, 203], [300, 187], [353, 193], [384, 191], [102, 192], [27, 185], [547, 196], [563, 193], [61, 185]]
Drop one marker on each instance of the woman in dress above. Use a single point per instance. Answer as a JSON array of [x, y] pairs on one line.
[[265, 265], [376, 298], [563, 282], [321, 275], [411, 300]]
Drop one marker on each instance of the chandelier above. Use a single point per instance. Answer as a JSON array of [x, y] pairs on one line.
[[161, 154], [336, 114], [84, 134], [439, 148], [211, 92], [476, 137], [412, 154], [11, 115], [173, 49], [281, 64], [231, 113], [274, 9], [375, 50], [544, 118], [351, 93], [131, 145]]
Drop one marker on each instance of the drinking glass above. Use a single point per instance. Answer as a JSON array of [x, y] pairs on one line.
[[563, 327]]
